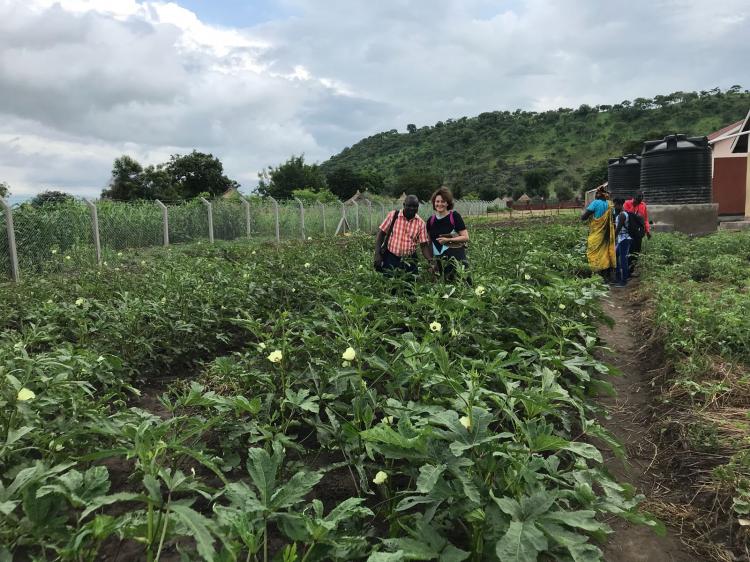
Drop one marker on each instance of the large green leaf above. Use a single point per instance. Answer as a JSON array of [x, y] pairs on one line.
[[428, 477], [584, 450], [521, 543], [583, 519], [412, 549], [199, 528], [262, 469], [100, 502], [393, 444], [294, 490]]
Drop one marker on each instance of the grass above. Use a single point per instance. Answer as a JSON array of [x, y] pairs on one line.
[[700, 310]]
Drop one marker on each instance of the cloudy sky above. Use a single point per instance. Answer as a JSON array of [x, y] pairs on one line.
[[85, 81]]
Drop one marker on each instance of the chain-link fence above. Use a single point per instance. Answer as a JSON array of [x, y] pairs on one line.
[[59, 237]]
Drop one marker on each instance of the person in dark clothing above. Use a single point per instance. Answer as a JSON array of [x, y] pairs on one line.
[[637, 206], [448, 234]]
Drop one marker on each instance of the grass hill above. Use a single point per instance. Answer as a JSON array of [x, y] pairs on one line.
[[562, 151]]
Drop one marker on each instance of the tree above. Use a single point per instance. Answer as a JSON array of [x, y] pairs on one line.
[[344, 182], [594, 177], [419, 182], [536, 181], [4, 189], [51, 197], [564, 186], [293, 174], [197, 173], [157, 183], [126, 183], [310, 197], [411, 128]]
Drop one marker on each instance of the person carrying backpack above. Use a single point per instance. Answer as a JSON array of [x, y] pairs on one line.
[[638, 212], [448, 234], [622, 241]]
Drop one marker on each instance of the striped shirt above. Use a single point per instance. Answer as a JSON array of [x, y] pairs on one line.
[[406, 234]]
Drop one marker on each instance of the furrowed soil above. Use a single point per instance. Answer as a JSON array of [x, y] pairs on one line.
[[631, 414]]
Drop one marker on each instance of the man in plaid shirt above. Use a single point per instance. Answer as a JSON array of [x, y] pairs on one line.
[[409, 230]]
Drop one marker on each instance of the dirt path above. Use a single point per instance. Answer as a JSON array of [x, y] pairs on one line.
[[630, 412]]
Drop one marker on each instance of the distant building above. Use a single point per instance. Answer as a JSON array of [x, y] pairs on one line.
[[524, 199], [591, 194], [231, 193], [360, 198], [499, 203], [731, 168]]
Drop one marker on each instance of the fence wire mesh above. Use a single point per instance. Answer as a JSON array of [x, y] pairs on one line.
[[56, 238], [129, 225], [5, 267]]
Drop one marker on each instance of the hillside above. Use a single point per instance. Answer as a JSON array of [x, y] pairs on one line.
[[563, 150]]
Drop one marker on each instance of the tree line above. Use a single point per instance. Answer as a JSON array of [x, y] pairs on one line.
[[558, 153]]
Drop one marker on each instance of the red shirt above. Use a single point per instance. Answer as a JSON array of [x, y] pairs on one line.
[[406, 234], [641, 210]]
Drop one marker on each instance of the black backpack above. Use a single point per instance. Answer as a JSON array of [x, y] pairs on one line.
[[636, 226]]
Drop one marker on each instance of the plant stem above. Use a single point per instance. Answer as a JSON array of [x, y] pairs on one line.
[[165, 517], [265, 539]]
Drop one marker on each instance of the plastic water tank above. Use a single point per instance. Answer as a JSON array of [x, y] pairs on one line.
[[676, 170], [624, 176]]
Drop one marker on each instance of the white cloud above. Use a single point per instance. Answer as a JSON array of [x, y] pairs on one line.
[[84, 81]]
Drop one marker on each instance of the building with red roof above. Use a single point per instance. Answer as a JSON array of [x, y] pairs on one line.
[[731, 168]]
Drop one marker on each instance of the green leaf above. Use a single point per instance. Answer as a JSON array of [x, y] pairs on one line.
[[584, 450], [16, 434], [428, 477], [583, 519], [7, 507], [199, 528], [242, 404], [521, 543], [99, 502], [412, 549], [294, 490], [394, 445], [262, 469], [509, 506], [386, 557], [349, 508], [452, 554], [154, 488]]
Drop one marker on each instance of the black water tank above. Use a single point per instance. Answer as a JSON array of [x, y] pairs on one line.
[[624, 176], [676, 170]]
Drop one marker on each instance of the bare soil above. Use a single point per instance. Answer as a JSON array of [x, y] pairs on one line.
[[631, 410]]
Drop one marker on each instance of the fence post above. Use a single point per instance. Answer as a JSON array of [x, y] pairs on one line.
[[323, 213], [95, 230], [14, 270], [276, 218], [356, 217], [246, 207], [210, 210], [165, 220], [301, 216], [369, 215]]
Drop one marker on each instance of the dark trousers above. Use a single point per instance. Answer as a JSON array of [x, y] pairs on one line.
[[393, 263], [623, 272], [635, 251], [449, 261]]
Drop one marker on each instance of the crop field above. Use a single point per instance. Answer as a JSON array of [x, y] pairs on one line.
[[699, 309], [240, 401]]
